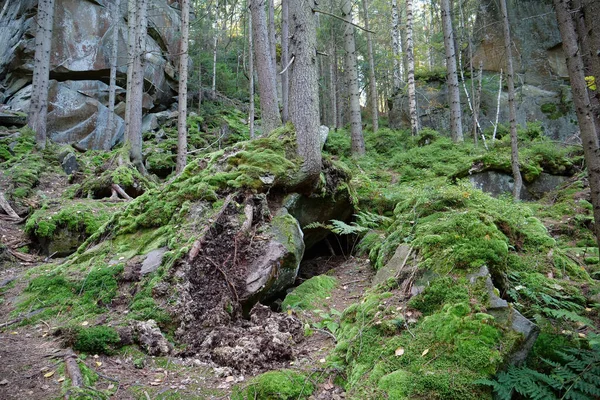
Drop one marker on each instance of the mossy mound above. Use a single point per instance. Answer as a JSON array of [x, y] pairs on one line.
[[276, 385], [60, 228], [310, 293]]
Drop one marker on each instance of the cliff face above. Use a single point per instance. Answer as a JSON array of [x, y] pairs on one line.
[[80, 64], [541, 77]]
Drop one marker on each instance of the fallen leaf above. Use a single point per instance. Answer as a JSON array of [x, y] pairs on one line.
[[48, 374], [85, 323], [399, 351], [3, 382], [425, 352], [98, 363], [61, 379], [322, 360], [111, 386], [96, 356], [582, 335], [154, 383], [229, 379]]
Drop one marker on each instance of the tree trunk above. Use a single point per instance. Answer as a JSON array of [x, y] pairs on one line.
[[285, 81], [581, 99], [213, 89], [351, 70], [396, 47], [512, 108], [183, 77], [267, 81], [38, 109], [410, 55], [332, 84], [251, 76], [272, 40], [112, 88], [304, 89], [452, 74], [372, 82], [135, 98]]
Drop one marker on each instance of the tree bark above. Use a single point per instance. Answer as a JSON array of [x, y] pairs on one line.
[[251, 107], [112, 88], [512, 108], [581, 99], [285, 81], [304, 89], [351, 70], [267, 81], [410, 55], [183, 89], [213, 90], [452, 74], [272, 40], [38, 109], [396, 47], [333, 84], [134, 135], [372, 81]]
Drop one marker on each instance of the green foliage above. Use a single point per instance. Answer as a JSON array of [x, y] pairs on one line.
[[575, 376], [275, 385], [441, 291], [310, 293]]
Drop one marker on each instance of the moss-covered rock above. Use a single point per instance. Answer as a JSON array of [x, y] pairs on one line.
[[276, 385], [310, 293]]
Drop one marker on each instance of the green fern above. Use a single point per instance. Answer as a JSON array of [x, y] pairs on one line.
[[575, 377]]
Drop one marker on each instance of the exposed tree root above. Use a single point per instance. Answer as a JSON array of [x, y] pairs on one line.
[[8, 209], [73, 371], [197, 246]]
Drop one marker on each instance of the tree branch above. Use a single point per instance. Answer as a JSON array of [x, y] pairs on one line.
[[342, 19]]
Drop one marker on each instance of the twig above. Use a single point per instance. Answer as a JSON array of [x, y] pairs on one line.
[[287, 66], [342, 19], [326, 333], [231, 287]]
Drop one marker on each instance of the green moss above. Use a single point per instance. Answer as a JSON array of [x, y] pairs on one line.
[[309, 294], [441, 291], [96, 340], [275, 385]]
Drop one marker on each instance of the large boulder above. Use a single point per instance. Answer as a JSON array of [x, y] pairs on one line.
[[80, 62]]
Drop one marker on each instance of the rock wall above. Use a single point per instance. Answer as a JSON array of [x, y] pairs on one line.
[[80, 65], [541, 76]]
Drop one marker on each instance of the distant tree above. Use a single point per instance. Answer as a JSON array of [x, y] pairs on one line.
[[512, 109], [251, 107], [285, 80], [112, 88], [304, 89], [267, 79], [351, 71], [452, 73], [183, 88], [372, 81], [38, 109], [581, 99], [410, 55], [398, 71], [138, 22]]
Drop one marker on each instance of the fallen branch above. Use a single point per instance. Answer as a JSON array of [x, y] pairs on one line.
[[342, 19], [72, 369], [23, 257], [121, 192], [198, 243], [7, 208], [249, 213], [287, 66]]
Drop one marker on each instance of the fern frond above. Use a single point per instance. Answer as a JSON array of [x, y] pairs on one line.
[[342, 228]]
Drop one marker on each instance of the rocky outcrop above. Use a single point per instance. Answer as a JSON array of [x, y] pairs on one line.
[[80, 65]]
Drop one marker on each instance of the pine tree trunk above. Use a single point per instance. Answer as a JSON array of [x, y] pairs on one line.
[[131, 19], [285, 82], [251, 107], [396, 47], [183, 89], [332, 84], [581, 99], [304, 89], [112, 88], [267, 81], [452, 74], [38, 109], [410, 55], [351, 70], [372, 82], [272, 40], [512, 108], [134, 133]]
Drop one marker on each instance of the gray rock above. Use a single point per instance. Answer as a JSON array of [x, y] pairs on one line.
[[544, 184], [495, 301], [498, 183], [323, 134], [149, 123], [278, 267], [394, 267], [69, 164], [8, 118], [153, 260], [151, 339]]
